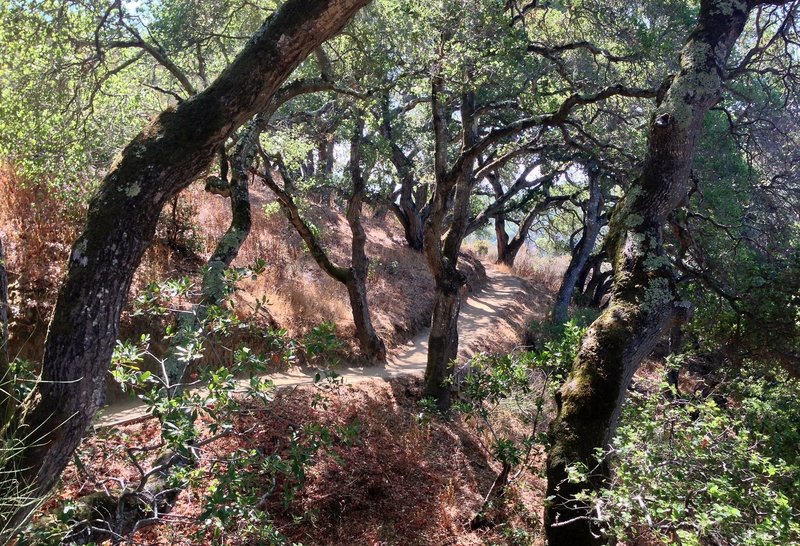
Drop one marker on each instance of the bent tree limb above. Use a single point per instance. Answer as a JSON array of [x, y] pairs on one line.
[[213, 289], [174, 149], [643, 303], [509, 247]]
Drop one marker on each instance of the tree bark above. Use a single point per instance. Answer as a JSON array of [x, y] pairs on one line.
[[7, 403], [582, 250], [590, 273], [502, 241], [372, 347], [442, 256], [507, 250], [643, 303], [412, 208], [164, 158]]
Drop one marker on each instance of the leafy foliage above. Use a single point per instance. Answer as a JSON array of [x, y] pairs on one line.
[[692, 471]]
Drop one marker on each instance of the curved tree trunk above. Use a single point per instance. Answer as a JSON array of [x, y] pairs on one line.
[[582, 250], [643, 302], [507, 249], [507, 253], [164, 158], [354, 277], [411, 219], [600, 289]]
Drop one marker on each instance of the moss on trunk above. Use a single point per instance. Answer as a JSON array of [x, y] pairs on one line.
[[643, 302]]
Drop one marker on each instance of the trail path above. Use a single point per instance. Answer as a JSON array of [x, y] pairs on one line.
[[479, 315]]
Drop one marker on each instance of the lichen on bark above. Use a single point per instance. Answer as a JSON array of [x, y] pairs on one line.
[[643, 302], [164, 158]]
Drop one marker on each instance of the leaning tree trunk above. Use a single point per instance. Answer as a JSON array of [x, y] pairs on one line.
[[164, 158], [354, 277], [643, 304], [582, 250], [507, 249], [507, 252]]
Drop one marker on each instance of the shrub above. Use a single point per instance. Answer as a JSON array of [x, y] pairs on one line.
[[692, 472]]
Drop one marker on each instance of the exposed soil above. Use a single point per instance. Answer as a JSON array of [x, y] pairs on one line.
[[491, 320]]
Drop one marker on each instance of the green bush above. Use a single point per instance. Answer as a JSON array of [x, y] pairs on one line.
[[692, 472]]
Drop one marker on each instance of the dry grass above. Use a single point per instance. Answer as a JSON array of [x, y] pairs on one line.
[[404, 481], [300, 295], [37, 231], [545, 272]]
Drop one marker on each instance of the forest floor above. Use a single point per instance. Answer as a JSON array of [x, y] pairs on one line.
[[490, 320], [408, 478]]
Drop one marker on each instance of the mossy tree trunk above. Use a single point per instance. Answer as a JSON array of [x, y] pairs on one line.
[[174, 149], [643, 304], [580, 256]]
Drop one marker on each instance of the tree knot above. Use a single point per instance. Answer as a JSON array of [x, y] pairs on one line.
[[663, 120]]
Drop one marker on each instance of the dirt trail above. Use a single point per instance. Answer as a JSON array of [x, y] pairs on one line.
[[482, 315]]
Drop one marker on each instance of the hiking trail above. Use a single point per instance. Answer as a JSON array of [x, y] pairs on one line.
[[480, 313]]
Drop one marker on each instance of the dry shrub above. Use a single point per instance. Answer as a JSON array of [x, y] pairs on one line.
[[542, 271], [482, 248], [405, 480], [310, 300], [37, 231]]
